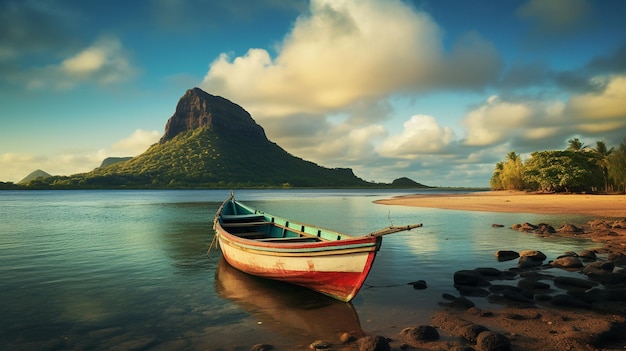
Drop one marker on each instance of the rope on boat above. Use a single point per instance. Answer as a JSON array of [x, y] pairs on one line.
[[211, 246], [214, 242]]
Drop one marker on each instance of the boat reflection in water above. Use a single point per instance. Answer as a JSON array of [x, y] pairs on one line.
[[289, 310]]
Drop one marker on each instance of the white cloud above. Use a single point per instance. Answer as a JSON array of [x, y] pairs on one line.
[[345, 51], [337, 145], [496, 121], [86, 62], [604, 106], [421, 135], [137, 142], [104, 62], [540, 124], [349, 143]]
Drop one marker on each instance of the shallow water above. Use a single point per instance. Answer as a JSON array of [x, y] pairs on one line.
[[121, 270]]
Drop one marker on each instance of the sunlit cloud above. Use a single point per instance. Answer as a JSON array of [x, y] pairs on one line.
[[136, 143], [349, 143], [345, 51], [104, 62], [87, 62], [541, 123], [421, 135], [606, 105], [495, 121]]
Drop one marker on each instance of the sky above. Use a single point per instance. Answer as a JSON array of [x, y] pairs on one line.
[[435, 90]]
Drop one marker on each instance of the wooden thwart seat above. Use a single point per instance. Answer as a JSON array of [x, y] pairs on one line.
[[244, 224], [291, 239], [242, 218], [251, 235]]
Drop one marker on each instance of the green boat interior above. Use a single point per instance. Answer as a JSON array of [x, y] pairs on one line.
[[250, 224]]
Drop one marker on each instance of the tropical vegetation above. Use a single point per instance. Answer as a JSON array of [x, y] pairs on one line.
[[579, 168]]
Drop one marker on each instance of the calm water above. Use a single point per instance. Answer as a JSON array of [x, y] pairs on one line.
[[121, 270]]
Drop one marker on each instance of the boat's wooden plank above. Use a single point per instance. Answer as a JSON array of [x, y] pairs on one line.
[[244, 224], [291, 239], [299, 232], [251, 235], [242, 218]]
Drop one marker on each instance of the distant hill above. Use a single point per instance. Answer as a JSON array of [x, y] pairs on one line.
[[211, 142], [34, 175], [111, 160], [405, 182]]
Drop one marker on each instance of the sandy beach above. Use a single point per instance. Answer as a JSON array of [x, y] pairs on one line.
[[597, 325], [601, 206]]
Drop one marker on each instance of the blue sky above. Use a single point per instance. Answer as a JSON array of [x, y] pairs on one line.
[[434, 90]]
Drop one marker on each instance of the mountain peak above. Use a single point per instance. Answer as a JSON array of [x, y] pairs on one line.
[[210, 142], [34, 175], [199, 109]]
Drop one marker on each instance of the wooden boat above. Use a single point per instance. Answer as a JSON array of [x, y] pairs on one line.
[[272, 247]]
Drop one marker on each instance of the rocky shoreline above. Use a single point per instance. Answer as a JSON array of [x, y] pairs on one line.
[[576, 301]]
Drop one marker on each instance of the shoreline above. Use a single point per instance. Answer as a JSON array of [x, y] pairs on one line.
[[533, 324], [603, 206]]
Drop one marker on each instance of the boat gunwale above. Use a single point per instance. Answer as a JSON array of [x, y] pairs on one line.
[[337, 247], [345, 241]]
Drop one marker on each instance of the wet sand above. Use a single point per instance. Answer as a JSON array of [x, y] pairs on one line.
[[601, 206]]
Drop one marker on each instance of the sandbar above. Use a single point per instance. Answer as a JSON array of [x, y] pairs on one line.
[[610, 206]]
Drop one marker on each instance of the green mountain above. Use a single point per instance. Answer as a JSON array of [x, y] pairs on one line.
[[405, 182], [210, 142], [34, 175]]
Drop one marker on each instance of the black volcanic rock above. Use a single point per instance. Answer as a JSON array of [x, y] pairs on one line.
[[198, 109]]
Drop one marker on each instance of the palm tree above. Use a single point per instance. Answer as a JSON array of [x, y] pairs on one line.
[[603, 153], [496, 178], [617, 165], [576, 145], [512, 172], [512, 156]]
